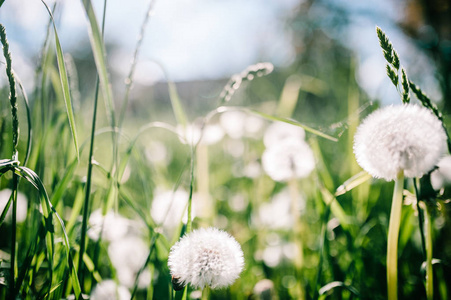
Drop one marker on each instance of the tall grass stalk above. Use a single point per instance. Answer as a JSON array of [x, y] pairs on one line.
[[129, 79], [89, 174], [15, 141], [393, 234]]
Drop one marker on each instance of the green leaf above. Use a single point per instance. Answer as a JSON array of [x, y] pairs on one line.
[[64, 83]]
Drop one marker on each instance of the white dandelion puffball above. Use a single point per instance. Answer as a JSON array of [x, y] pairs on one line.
[[441, 177], [206, 257], [398, 138], [288, 159]]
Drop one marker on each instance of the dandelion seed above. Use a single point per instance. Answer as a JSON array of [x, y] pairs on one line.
[[405, 138], [206, 257], [291, 158]]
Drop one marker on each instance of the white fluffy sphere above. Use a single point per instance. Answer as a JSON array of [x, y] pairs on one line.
[[206, 257], [407, 138]]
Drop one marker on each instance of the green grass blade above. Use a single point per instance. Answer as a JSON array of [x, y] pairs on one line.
[[48, 211], [98, 49], [352, 182], [177, 107], [64, 83]]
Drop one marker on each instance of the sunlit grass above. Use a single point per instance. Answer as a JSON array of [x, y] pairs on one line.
[[109, 193]]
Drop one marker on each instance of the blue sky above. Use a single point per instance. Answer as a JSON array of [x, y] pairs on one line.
[[208, 39]]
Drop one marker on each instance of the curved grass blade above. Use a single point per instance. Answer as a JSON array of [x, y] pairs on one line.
[[27, 108], [48, 211], [6, 209], [334, 284], [223, 109], [64, 83]]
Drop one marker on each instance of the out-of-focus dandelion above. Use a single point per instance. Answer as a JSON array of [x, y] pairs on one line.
[[280, 131], [109, 290], [289, 159], [157, 152], [21, 205], [169, 208], [110, 227], [238, 124], [393, 142], [441, 176], [128, 255], [206, 257], [277, 214], [264, 290]]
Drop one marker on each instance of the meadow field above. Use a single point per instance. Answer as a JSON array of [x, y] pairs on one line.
[[259, 180]]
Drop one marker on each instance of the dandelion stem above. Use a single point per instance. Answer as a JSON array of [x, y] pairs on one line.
[[393, 234], [189, 223], [429, 271], [205, 293]]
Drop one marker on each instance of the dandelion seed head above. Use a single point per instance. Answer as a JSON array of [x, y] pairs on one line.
[[206, 257], [402, 137], [288, 159]]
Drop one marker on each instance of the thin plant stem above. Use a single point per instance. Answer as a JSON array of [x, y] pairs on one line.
[[89, 175], [129, 80], [189, 223], [393, 234], [13, 237], [420, 218], [429, 271]]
